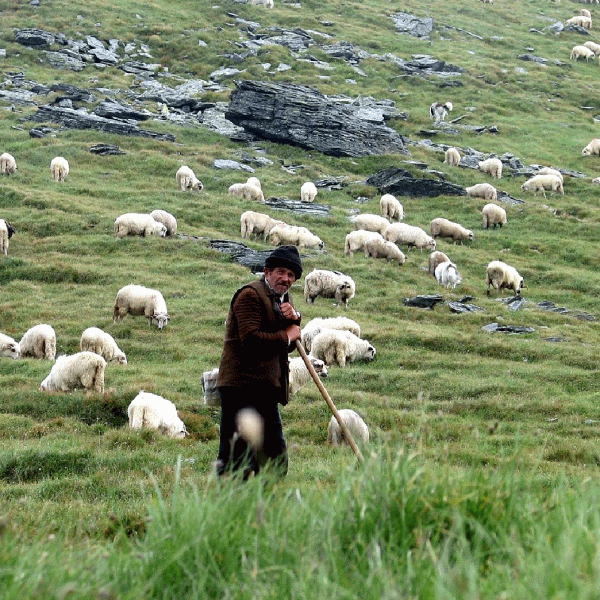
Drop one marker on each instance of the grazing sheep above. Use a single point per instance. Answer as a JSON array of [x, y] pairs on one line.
[[255, 223], [585, 12], [409, 235], [8, 164], [493, 215], [9, 347], [308, 191], [6, 232], [59, 168], [356, 240], [551, 171], [84, 369], [390, 208], [384, 249], [246, 191], [541, 183], [355, 424], [444, 228], [39, 341], [138, 224], [581, 52], [300, 375], [593, 148], [295, 236], [581, 20], [593, 46], [255, 181], [435, 258], [439, 112], [93, 339], [482, 190], [329, 284], [340, 347], [369, 222], [500, 275], [138, 300], [318, 324], [149, 411], [493, 166], [447, 275], [452, 157], [167, 219], [187, 180]]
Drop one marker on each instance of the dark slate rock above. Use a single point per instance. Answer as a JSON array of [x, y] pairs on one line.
[[222, 163], [515, 303], [496, 328], [411, 25], [298, 207], [106, 149], [531, 57], [73, 92], [304, 117], [463, 307], [331, 183], [423, 301], [109, 109], [400, 182], [104, 56], [39, 132], [62, 60], [35, 38]]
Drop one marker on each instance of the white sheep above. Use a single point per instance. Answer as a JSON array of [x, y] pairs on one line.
[[255, 181], [187, 180], [138, 224], [444, 228], [541, 183], [138, 300], [369, 222], [593, 148], [339, 347], [356, 240], [493, 166], [295, 236], [551, 171], [300, 375], [493, 215], [308, 191], [9, 347], [59, 168], [167, 219], [581, 20], [438, 111], [500, 275], [318, 324], [482, 190], [585, 12], [447, 275], [8, 164], [255, 223], [6, 232], [581, 52], [391, 208], [246, 191], [39, 341], [452, 157], [384, 249], [435, 258], [94, 339], [354, 423], [84, 369], [329, 284], [150, 411], [593, 46], [409, 235]]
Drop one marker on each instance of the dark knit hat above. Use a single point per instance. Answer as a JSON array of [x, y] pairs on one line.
[[285, 256]]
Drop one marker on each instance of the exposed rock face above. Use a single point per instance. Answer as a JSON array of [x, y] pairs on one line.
[[411, 25], [399, 182], [304, 117]]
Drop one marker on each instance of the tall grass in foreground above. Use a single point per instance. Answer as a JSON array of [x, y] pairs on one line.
[[388, 529]]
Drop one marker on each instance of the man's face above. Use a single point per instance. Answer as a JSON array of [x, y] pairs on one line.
[[280, 279]]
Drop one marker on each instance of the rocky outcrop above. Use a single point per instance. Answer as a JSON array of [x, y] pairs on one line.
[[400, 182]]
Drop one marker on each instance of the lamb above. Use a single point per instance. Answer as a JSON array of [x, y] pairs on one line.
[[500, 275], [541, 183], [439, 112], [482, 190], [138, 224], [9, 347], [581, 20], [493, 215], [95, 340], [59, 168], [585, 12], [409, 235], [593, 148], [255, 223], [452, 157], [369, 222], [356, 240], [340, 347], [187, 180], [593, 46], [316, 325], [167, 219], [308, 191], [255, 181], [390, 208], [8, 164], [300, 375], [447, 275], [6, 232], [493, 166], [329, 284], [137, 300], [295, 236], [384, 249], [355, 424], [39, 341], [581, 52], [444, 228], [84, 369], [246, 191], [150, 411]]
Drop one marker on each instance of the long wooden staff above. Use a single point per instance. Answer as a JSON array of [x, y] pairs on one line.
[[329, 401]]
